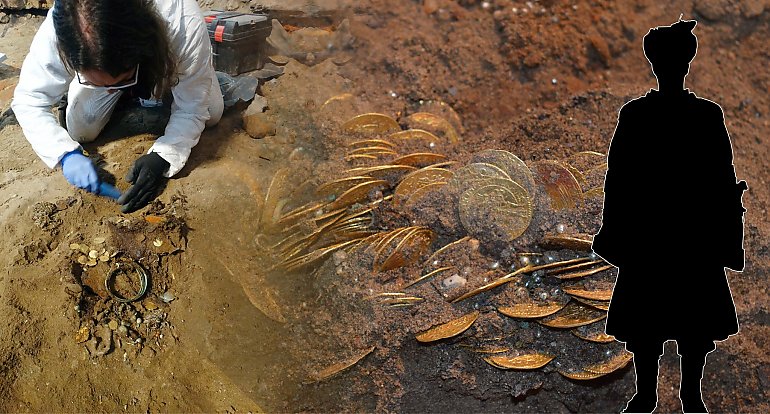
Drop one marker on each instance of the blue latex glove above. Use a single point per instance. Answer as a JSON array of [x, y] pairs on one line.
[[107, 190], [80, 171]]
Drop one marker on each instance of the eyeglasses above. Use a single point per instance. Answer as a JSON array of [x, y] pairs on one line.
[[119, 85]]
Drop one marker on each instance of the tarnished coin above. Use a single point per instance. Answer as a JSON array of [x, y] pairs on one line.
[[527, 361], [560, 184], [449, 329], [435, 124], [511, 164], [468, 175], [418, 179], [372, 123], [494, 212]]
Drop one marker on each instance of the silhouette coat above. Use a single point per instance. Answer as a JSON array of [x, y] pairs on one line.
[[672, 220]]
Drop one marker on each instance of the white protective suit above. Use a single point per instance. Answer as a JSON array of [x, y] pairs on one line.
[[44, 80]]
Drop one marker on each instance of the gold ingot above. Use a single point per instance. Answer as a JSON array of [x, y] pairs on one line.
[[599, 337], [418, 179], [468, 175], [560, 184], [528, 361], [580, 375], [530, 310], [615, 363], [357, 194], [496, 212], [339, 367], [419, 159], [573, 315], [82, 335], [422, 192], [433, 123], [449, 329], [605, 294], [372, 123], [577, 242], [516, 169]]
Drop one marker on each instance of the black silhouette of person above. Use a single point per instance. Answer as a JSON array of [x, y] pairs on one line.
[[672, 222]]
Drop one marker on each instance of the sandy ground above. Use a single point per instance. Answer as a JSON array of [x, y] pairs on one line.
[[221, 345]]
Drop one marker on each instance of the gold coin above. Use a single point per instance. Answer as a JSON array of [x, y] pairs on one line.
[[594, 178], [339, 186], [530, 310], [83, 334], [419, 159], [466, 176], [340, 366], [585, 160], [605, 294], [516, 169], [618, 361], [560, 184], [372, 123], [435, 124], [528, 361], [422, 192], [418, 179], [598, 304], [424, 137], [578, 242], [443, 110], [358, 193], [449, 329], [580, 375], [494, 212], [597, 336], [573, 315]]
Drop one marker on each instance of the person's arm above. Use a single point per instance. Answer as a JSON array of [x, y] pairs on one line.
[[42, 83], [190, 109]]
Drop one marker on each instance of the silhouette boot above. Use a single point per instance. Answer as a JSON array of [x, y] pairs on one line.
[[646, 398], [690, 388]]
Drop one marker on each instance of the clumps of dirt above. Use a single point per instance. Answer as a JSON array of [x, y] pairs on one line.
[[120, 280]]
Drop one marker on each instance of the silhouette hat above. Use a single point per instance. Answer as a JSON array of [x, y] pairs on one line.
[[671, 44]]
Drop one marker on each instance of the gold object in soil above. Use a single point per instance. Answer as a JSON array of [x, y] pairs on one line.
[[449, 329]]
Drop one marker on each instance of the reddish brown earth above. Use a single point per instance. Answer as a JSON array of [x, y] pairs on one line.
[[543, 82]]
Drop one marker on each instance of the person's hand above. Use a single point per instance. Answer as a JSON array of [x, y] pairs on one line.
[[146, 175], [80, 171]]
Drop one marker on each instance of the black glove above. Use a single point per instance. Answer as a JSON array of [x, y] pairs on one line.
[[146, 175]]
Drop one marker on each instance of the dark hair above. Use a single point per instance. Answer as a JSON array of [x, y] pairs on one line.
[[114, 36]]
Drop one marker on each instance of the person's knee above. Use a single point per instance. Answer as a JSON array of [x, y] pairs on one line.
[[80, 129]]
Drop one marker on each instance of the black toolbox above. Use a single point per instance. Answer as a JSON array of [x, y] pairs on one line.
[[239, 40]]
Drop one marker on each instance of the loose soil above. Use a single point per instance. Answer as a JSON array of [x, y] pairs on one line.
[[219, 330]]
